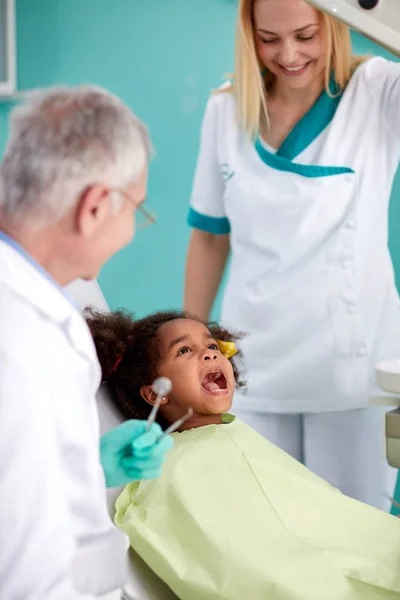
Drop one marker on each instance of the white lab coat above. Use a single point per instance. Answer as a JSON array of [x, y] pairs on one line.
[[56, 538]]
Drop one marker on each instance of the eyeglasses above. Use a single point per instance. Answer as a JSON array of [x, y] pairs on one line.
[[144, 217]]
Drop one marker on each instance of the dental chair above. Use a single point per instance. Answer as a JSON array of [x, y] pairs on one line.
[[143, 582]]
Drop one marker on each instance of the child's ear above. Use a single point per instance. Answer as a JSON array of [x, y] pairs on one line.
[[150, 397]]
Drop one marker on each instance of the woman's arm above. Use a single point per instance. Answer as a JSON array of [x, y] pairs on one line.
[[383, 82], [206, 260], [209, 244]]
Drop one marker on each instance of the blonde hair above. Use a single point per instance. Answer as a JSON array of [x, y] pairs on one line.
[[249, 84]]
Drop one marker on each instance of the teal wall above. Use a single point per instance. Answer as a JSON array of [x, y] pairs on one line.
[[162, 57]]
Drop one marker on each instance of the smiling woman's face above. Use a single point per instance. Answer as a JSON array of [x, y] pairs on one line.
[[202, 378], [289, 40]]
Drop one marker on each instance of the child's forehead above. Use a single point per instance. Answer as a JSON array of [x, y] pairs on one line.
[[182, 327]]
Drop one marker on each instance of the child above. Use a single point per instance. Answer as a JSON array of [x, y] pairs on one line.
[[232, 516]]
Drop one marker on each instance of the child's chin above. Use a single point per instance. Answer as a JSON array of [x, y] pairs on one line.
[[223, 404]]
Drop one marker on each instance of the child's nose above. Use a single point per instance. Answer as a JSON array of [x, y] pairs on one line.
[[210, 355]]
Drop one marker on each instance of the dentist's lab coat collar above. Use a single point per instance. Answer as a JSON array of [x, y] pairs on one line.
[[31, 282]]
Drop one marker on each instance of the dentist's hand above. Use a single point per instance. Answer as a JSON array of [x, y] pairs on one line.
[[130, 453]]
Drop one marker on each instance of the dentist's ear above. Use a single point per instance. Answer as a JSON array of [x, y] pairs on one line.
[[93, 209], [150, 396]]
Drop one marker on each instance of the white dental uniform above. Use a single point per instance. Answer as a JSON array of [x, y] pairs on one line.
[[56, 538], [311, 280]]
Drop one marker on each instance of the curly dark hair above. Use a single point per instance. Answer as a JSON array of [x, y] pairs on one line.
[[128, 353]]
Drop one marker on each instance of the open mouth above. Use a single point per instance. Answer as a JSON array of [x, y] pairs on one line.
[[215, 382]]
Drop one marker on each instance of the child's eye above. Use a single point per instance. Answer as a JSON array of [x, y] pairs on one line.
[[264, 41], [213, 347], [183, 350], [305, 39]]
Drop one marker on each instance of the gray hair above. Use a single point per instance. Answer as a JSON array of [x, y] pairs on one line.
[[62, 140]]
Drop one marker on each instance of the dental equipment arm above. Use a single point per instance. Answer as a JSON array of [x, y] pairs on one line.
[[378, 20], [380, 78]]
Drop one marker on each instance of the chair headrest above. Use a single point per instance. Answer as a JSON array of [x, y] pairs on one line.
[[109, 415]]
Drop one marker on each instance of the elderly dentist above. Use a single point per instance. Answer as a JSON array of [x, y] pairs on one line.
[[72, 181]]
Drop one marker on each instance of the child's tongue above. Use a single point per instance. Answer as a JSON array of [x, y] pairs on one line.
[[211, 386]]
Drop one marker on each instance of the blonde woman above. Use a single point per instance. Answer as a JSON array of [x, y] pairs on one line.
[[297, 159]]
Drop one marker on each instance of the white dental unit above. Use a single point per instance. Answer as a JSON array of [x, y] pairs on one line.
[[143, 583], [388, 377], [378, 20]]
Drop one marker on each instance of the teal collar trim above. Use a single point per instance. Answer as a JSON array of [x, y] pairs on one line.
[[310, 126], [312, 123], [283, 164], [302, 135]]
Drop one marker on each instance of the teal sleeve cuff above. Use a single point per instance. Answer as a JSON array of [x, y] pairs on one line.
[[216, 225]]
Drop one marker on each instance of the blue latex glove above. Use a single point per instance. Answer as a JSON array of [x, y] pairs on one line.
[[130, 453]]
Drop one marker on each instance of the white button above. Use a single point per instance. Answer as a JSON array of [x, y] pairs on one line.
[[347, 264], [351, 224], [361, 351], [349, 178], [351, 309]]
